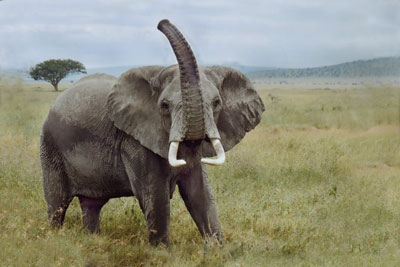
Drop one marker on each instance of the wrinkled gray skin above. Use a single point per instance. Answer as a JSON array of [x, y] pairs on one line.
[[107, 137]]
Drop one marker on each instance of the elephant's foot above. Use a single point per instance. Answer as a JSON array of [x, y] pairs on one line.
[[57, 209], [56, 218], [215, 238], [156, 240], [158, 226]]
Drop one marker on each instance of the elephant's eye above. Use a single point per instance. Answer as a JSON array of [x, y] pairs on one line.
[[216, 103], [164, 107]]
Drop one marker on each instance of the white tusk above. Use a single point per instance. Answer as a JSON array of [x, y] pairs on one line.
[[220, 154], [172, 153]]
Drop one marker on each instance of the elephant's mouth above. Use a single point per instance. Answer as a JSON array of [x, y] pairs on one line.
[[219, 160]]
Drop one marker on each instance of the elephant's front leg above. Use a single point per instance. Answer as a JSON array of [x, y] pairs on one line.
[[154, 202], [196, 192], [151, 188]]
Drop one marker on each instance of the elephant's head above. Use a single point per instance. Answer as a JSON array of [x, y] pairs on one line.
[[207, 107]]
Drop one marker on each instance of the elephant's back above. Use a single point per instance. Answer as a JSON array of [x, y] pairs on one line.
[[78, 130], [84, 104]]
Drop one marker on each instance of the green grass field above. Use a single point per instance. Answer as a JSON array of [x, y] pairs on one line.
[[317, 183]]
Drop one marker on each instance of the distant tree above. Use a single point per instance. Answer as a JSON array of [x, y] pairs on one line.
[[54, 70]]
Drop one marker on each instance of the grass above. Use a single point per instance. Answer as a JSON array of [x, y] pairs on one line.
[[315, 184]]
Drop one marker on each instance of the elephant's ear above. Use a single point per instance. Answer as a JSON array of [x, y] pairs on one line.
[[242, 107], [132, 106]]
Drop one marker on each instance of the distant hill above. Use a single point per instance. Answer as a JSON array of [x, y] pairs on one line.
[[378, 67]]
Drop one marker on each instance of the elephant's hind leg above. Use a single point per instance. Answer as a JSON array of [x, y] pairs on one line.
[[91, 213], [55, 184]]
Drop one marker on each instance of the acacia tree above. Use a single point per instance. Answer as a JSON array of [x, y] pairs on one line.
[[54, 70]]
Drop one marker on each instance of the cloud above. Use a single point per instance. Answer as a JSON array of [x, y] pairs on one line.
[[278, 33]]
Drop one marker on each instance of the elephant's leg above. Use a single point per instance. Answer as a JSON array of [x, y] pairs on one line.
[[91, 213], [196, 193], [57, 206], [151, 187], [156, 209], [55, 185]]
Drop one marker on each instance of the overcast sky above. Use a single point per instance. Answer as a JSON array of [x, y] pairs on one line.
[[276, 33]]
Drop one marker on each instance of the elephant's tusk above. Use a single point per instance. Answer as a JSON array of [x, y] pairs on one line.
[[173, 151], [220, 154]]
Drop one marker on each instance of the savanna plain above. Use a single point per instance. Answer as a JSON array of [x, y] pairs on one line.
[[317, 183]]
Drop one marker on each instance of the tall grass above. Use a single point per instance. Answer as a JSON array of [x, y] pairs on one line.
[[316, 183], [359, 108]]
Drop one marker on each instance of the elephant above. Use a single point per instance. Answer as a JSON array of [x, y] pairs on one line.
[[143, 134]]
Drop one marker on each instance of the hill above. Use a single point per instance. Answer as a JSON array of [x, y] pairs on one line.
[[378, 67]]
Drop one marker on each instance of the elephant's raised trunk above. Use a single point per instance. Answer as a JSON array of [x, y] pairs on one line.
[[191, 97], [190, 81]]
